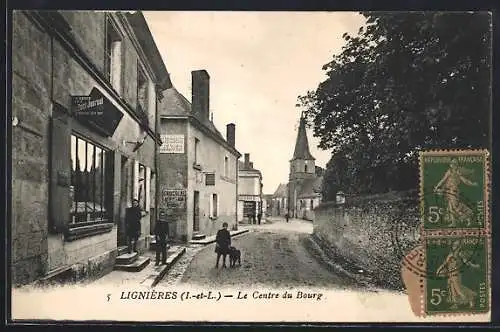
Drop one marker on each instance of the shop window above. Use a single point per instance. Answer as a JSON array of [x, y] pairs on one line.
[[88, 179], [113, 56]]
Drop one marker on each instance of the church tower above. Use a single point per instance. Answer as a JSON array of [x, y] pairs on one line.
[[302, 166]]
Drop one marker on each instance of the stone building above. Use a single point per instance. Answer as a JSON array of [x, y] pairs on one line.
[[198, 166], [305, 178], [302, 193], [279, 201], [85, 88], [249, 190]]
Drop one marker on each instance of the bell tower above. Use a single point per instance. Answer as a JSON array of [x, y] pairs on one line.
[[302, 166]]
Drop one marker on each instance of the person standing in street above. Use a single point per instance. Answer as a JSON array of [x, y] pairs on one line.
[[222, 244], [133, 225], [287, 217], [259, 217], [161, 234]]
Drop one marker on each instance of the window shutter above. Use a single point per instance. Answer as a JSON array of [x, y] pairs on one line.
[[218, 211], [135, 176], [211, 206], [60, 170], [148, 188]]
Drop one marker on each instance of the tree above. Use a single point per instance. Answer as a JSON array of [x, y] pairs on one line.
[[406, 82]]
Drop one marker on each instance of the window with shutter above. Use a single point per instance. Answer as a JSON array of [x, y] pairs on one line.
[[210, 179]]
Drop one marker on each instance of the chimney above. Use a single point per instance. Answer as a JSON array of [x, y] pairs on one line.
[[200, 93], [230, 134], [247, 160], [251, 165]]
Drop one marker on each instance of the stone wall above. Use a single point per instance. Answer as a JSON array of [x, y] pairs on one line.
[[373, 232], [31, 104]]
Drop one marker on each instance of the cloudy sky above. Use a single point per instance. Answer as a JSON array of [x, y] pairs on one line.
[[258, 62]]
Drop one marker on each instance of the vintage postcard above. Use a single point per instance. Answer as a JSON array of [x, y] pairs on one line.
[[250, 167]]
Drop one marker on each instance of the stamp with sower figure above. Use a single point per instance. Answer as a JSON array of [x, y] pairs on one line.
[[453, 190], [454, 203], [459, 266]]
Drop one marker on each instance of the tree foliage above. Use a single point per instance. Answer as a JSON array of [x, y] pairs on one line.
[[406, 82]]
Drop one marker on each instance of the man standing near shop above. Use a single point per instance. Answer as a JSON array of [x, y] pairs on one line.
[[161, 233], [133, 225]]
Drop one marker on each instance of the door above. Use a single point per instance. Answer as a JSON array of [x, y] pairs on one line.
[[122, 238], [196, 212]]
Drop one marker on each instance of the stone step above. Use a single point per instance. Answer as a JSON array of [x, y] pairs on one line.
[[138, 265], [199, 236], [59, 275], [126, 259], [122, 250]]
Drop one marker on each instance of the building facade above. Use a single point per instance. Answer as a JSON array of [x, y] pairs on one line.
[[249, 191], [279, 201], [198, 166], [85, 91]]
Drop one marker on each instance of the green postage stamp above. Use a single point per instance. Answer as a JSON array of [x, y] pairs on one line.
[[454, 212], [454, 189], [457, 275]]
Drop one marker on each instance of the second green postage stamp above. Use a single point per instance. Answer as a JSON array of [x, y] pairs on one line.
[[454, 189], [457, 275]]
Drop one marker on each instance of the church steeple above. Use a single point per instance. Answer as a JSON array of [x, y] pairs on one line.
[[301, 144]]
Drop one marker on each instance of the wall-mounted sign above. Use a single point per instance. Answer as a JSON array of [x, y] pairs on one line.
[[172, 144], [97, 112], [173, 199], [249, 198]]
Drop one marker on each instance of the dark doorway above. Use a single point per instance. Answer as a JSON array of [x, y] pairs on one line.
[[124, 174], [196, 211]]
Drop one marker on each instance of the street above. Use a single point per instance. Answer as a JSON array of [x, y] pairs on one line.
[[273, 255]]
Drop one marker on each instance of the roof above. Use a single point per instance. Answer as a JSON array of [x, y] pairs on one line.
[[146, 40], [174, 104], [301, 144], [281, 191], [310, 187]]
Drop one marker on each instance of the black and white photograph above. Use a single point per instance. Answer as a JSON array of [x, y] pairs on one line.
[[243, 166]]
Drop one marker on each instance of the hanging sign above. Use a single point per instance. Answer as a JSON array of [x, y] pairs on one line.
[[96, 112]]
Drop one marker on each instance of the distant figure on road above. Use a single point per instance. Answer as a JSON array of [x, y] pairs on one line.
[[161, 233], [259, 217], [287, 217], [222, 244], [133, 225]]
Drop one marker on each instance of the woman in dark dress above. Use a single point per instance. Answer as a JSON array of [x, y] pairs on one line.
[[222, 244]]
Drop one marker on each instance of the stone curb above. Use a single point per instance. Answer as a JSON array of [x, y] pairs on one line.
[[153, 279], [211, 239]]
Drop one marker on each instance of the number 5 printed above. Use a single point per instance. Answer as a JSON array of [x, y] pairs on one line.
[[437, 296], [434, 214]]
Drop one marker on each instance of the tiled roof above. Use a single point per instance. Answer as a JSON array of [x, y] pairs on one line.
[[175, 104], [310, 187], [302, 145], [281, 191]]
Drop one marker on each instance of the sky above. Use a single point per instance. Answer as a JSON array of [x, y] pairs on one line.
[[259, 63]]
